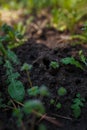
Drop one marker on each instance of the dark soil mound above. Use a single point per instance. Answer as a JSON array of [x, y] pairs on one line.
[[70, 77]]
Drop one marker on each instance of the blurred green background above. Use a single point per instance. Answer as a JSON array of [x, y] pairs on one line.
[[64, 14]]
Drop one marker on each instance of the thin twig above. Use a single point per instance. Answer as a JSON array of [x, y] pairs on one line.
[[60, 116]]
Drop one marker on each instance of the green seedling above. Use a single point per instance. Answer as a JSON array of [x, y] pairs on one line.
[[82, 57], [58, 105], [33, 106], [7, 53], [62, 91], [26, 67], [54, 65], [78, 103], [15, 87], [34, 91], [11, 36], [42, 91], [72, 61], [52, 101], [17, 112]]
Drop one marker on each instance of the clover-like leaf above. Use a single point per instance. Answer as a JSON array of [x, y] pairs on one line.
[[33, 105], [34, 91], [26, 67], [16, 90]]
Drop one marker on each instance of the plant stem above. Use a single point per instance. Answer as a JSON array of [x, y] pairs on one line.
[[29, 79]]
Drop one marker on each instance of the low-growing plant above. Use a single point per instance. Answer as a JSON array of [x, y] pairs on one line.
[[52, 101], [35, 90], [27, 67], [15, 87], [56, 104], [18, 114], [72, 61], [78, 103], [62, 91], [68, 13], [54, 65], [82, 57], [33, 106], [11, 36], [16, 90]]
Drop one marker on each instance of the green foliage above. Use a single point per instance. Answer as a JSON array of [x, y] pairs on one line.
[[26, 67], [52, 101], [12, 56], [58, 105], [62, 91], [20, 28], [78, 102], [11, 36], [70, 12], [54, 65], [33, 105], [43, 91], [65, 14], [34, 91], [72, 61], [15, 87], [82, 57], [18, 114]]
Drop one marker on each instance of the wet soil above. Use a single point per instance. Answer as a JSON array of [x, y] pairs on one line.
[[70, 77]]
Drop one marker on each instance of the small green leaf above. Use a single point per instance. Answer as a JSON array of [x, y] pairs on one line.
[[58, 105], [54, 65], [43, 91], [52, 101], [62, 91], [16, 90], [76, 106], [12, 57], [26, 67], [76, 111], [33, 105], [82, 57], [72, 61], [34, 91]]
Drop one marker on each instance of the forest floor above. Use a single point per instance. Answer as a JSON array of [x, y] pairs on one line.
[[43, 46]]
